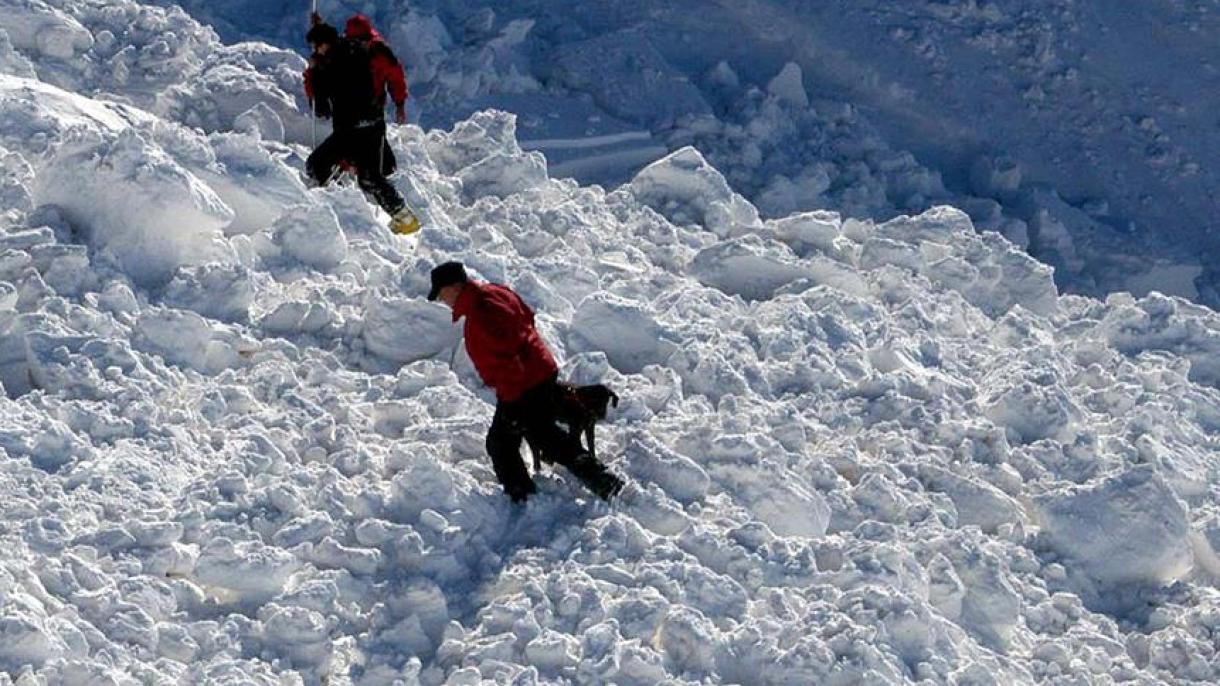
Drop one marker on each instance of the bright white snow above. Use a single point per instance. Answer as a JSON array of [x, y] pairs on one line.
[[238, 446]]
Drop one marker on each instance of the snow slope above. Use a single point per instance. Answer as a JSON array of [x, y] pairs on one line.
[[238, 446], [1084, 131]]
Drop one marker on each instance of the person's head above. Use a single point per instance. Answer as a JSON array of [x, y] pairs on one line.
[[359, 28], [322, 38], [448, 280]]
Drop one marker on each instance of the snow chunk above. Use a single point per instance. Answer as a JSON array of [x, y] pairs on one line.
[[311, 234], [623, 329], [1128, 529], [502, 175], [789, 86], [977, 502], [37, 28], [408, 329], [747, 266], [246, 570], [214, 290], [686, 189]]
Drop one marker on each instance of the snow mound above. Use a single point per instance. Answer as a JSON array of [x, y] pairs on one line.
[[686, 189], [1127, 530]]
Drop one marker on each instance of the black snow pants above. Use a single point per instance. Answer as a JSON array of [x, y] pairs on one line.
[[366, 149], [532, 418]]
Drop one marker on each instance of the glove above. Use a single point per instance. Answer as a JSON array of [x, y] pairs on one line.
[[400, 115]]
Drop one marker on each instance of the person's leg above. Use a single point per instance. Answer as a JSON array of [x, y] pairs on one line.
[[321, 163], [372, 162], [504, 447], [560, 447]]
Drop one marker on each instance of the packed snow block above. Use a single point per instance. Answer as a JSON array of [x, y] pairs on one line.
[[485, 134], [55, 364], [297, 317], [14, 359], [310, 233], [689, 640], [1054, 228], [406, 330], [244, 572], [771, 492], [685, 189], [218, 291], [16, 180], [299, 633], [990, 605], [1160, 323], [630, 78], [65, 268], [999, 278], [501, 175], [623, 329], [878, 252], [940, 224], [978, 503], [820, 230], [748, 266], [789, 86], [261, 122], [138, 206], [38, 28], [650, 460], [1129, 529], [186, 339]]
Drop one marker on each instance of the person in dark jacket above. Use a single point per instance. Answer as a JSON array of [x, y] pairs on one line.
[[347, 81], [511, 357]]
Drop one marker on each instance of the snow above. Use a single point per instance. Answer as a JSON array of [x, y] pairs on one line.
[[1039, 113], [863, 446]]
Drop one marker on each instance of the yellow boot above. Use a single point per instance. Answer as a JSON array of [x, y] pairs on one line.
[[404, 222]]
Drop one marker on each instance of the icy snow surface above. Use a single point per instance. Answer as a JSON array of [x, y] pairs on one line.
[[238, 446]]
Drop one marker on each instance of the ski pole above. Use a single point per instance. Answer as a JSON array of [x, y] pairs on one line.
[[313, 106]]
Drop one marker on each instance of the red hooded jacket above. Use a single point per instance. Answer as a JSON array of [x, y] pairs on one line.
[[388, 72], [503, 344]]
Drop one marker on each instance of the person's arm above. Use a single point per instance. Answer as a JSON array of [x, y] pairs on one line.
[[317, 88], [388, 74]]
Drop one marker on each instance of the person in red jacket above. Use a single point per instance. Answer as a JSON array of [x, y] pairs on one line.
[[347, 81], [511, 357]]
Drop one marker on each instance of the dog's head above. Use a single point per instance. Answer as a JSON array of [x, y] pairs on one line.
[[596, 399]]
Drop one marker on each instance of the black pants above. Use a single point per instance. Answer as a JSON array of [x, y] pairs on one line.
[[366, 149], [532, 418]]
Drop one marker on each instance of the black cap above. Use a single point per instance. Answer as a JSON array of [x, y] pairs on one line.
[[322, 34], [446, 274]]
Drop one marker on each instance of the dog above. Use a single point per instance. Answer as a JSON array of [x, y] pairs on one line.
[[580, 408]]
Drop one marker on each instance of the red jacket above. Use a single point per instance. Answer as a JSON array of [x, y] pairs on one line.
[[501, 339], [388, 72]]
